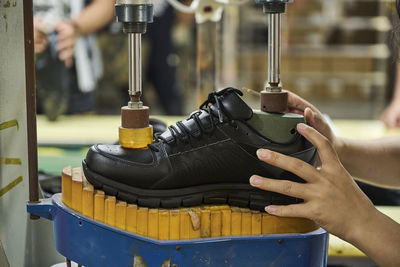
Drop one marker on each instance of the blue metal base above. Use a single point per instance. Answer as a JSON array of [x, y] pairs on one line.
[[91, 243]]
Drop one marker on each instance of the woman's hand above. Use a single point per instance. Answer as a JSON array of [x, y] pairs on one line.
[[331, 197], [391, 115], [67, 34], [39, 35], [313, 116]]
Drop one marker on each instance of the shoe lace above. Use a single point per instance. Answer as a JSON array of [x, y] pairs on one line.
[[184, 134]]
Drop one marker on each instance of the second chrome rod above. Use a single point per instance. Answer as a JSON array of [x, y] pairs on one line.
[[135, 68], [274, 50]]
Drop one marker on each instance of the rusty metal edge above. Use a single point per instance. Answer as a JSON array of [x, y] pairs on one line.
[[31, 102]]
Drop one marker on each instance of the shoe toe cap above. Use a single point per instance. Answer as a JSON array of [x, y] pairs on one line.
[[127, 166]]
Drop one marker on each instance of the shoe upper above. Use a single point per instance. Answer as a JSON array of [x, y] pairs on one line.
[[213, 145]]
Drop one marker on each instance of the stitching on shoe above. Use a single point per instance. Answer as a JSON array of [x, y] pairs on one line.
[[200, 147], [126, 161]]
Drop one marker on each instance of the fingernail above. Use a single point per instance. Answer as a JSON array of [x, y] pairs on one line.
[[301, 127], [271, 209], [263, 154], [255, 181]]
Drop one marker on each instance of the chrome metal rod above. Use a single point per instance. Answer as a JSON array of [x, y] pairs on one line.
[[208, 50], [274, 49], [135, 66]]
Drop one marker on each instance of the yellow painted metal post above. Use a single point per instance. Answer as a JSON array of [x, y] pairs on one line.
[[256, 223], [216, 223], [66, 186], [153, 223], [99, 206], [87, 198], [236, 222], [226, 221], [142, 221], [163, 224], [110, 210], [131, 218], [195, 217], [120, 215], [174, 225], [77, 187], [185, 224], [246, 223], [266, 226], [205, 228]]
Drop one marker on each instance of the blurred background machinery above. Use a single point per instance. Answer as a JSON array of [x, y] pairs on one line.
[[335, 54]]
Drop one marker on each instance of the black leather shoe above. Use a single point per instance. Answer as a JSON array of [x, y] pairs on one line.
[[207, 158]]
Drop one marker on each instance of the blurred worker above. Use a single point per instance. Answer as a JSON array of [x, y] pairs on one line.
[[331, 197], [159, 64], [391, 115], [162, 61], [68, 62]]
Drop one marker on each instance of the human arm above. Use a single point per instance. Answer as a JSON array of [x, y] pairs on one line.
[[373, 161], [333, 200], [391, 115], [92, 18], [39, 35], [95, 16]]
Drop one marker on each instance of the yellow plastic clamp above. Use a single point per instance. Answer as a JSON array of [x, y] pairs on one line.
[[135, 138]]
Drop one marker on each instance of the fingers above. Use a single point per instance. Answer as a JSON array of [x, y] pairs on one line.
[[68, 62], [293, 109], [288, 188], [65, 44], [61, 27], [65, 31], [390, 120], [294, 210], [296, 102], [65, 36], [315, 119], [40, 43], [66, 56], [309, 116], [39, 25], [66, 51], [39, 48], [39, 35], [293, 165], [324, 147]]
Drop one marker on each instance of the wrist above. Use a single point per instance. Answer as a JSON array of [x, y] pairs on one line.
[[395, 101], [339, 146], [76, 27], [366, 222]]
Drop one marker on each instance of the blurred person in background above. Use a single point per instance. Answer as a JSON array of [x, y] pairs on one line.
[[162, 60], [68, 61], [162, 90], [391, 115]]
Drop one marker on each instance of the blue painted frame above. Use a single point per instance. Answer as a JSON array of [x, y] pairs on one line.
[[92, 243]]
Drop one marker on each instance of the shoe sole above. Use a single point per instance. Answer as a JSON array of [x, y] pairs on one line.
[[240, 195]]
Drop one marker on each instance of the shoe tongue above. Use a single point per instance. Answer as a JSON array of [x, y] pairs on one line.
[[233, 106]]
